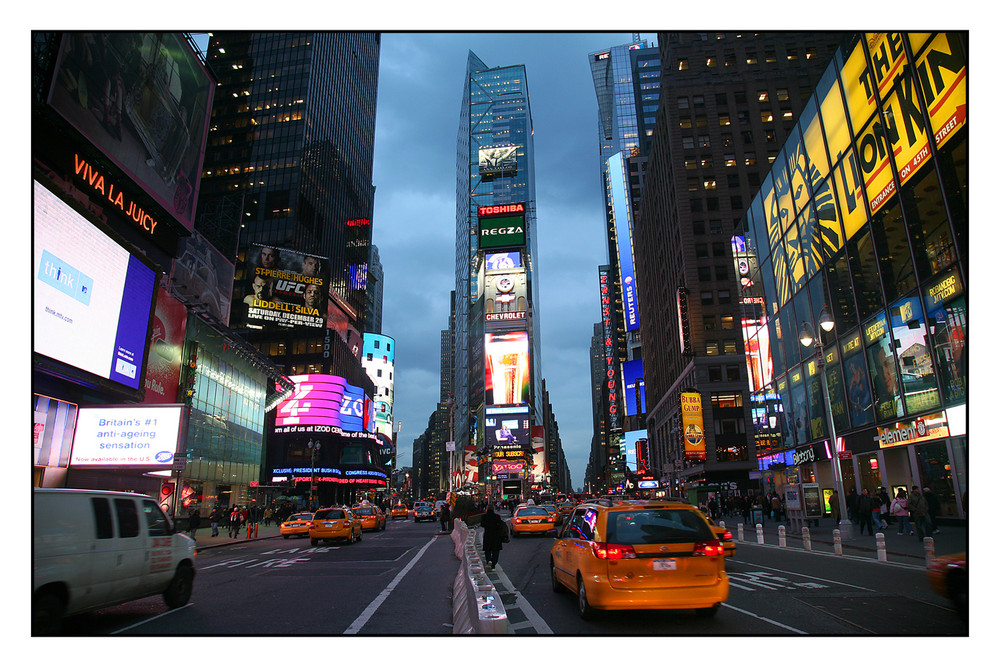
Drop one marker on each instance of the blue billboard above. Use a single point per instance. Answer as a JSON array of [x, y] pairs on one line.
[[633, 374], [622, 210]]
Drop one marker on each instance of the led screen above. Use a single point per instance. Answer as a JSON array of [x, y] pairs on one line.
[[501, 231], [325, 401], [633, 375], [284, 289], [506, 297], [123, 436], [507, 428], [507, 371], [502, 261], [92, 298]]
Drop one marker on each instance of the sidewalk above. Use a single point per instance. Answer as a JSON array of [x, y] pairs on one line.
[[907, 549], [204, 539]]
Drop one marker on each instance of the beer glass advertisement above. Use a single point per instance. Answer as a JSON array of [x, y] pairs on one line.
[[143, 99], [508, 380], [284, 289]]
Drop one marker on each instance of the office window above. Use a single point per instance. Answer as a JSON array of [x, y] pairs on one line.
[[730, 159], [682, 64], [707, 298], [720, 99], [711, 349], [701, 250], [704, 141], [690, 164], [724, 297], [684, 122], [704, 273], [709, 322], [766, 116], [733, 373], [683, 103], [709, 184], [762, 96], [687, 142], [715, 373], [782, 94], [698, 226], [693, 184], [729, 346], [724, 119], [721, 273], [751, 57], [698, 101], [728, 321]]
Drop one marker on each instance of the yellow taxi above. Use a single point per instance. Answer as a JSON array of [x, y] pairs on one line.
[[640, 555], [566, 508], [531, 519], [296, 524], [949, 576], [553, 511], [726, 537], [371, 517], [334, 523], [399, 512]]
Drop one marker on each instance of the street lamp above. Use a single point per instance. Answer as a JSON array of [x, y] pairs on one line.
[[313, 449], [807, 337]]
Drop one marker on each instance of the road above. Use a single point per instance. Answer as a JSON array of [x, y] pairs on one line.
[[399, 582]]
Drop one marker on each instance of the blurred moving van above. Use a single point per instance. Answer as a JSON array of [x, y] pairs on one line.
[[95, 549]]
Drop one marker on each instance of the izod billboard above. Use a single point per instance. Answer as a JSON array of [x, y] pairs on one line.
[[693, 426]]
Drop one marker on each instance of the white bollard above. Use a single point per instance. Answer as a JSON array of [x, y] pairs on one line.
[[880, 548], [929, 549], [838, 546], [807, 543], [781, 537], [739, 531], [760, 534]]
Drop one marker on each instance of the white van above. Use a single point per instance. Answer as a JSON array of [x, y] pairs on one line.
[[94, 549]]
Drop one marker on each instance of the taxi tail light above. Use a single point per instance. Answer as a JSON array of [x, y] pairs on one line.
[[606, 551], [728, 535], [713, 549]]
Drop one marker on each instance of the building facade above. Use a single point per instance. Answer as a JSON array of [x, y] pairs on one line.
[[727, 103], [863, 221]]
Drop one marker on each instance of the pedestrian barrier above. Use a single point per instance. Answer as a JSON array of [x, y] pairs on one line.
[[782, 542], [838, 545], [739, 531], [880, 547], [807, 542], [760, 534], [476, 605], [928, 550]]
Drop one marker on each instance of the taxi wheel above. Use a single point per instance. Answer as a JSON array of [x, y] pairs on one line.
[[708, 612], [556, 586], [359, 535], [179, 591], [313, 541], [587, 612], [286, 536]]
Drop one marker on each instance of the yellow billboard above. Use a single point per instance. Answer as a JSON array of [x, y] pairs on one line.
[[694, 426], [941, 72]]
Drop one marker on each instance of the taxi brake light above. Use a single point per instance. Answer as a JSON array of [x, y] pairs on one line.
[[605, 551], [712, 549]]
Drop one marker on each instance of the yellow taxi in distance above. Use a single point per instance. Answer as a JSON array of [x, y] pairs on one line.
[[296, 524], [566, 508], [334, 523], [371, 517], [553, 512], [636, 554], [531, 519], [399, 512]]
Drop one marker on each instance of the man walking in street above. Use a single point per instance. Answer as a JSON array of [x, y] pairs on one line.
[[863, 511], [933, 507]]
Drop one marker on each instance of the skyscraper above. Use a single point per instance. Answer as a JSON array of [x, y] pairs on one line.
[[289, 158], [497, 370]]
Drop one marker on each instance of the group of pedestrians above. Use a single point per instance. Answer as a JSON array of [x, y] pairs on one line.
[[874, 511]]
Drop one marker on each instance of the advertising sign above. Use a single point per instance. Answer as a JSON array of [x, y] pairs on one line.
[[284, 289], [507, 428], [497, 161], [610, 349], [633, 374], [622, 209], [92, 299], [202, 274], [506, 297], [693, 426], [325, 401], [508, 380], [143, 436], [501, 232], [502, 261], [166, 342], [143, 100]]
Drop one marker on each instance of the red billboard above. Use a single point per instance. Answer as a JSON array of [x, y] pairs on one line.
[[166, 344]]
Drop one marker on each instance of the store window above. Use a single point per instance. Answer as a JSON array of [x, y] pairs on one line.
[[936, 474], [920, 393], [882, 366], [924, 210], [864, 268], [893, 251], [869, 473], [946, 324]]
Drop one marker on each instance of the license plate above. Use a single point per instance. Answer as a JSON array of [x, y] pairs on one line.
[[665, 564], [328, 525], [536, 521]]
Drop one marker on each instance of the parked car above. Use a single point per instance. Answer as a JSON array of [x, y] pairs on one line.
[[95, 549], [640, 555]]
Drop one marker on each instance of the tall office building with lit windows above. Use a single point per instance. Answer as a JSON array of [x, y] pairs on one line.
[[497, 370]]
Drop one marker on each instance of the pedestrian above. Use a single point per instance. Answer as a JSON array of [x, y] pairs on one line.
[[863, 510], [852, 502], [899, 510], [933, 507], [918, 513], [776, 507], [445, 515], [214, 519], [494, 529], [883, 507], [194, 520], [235, 518], [268, 513], [835, 507], [713, 508]]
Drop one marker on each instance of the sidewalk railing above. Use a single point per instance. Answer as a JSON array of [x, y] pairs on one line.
[[476, 605]]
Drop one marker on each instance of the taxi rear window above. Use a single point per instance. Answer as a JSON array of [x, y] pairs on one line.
[[532, 511], [329, 514], [657, 526]]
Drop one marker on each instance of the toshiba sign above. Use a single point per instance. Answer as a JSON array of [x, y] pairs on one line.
[[501, 209]]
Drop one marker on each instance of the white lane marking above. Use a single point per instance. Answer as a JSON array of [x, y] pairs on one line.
[[151, 618], [541, 627], [830, 554], [369, 611], [765, 619], [799, 574]]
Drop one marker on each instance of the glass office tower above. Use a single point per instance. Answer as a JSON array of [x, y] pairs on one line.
[[496, 255]]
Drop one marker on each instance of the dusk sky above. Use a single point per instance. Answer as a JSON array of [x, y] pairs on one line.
[[421, 76]]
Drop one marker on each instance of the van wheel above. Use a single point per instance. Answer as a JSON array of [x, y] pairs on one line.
[[587, 612], [179, 591], [47, 613]]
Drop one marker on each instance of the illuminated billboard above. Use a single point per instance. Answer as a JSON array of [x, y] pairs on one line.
[[92, 299], [508, 380], [610, 349], [284, 289], [378, 360], [166, 343], [127, 436], [506, 297], [622, 210], [633, 375], [501, 225], [502, 261], [327, 403], [143, 100], [507, 428], [497, 161], [693, 426]]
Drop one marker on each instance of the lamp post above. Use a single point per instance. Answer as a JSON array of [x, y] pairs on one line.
[[806, 338], [313, 449]]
